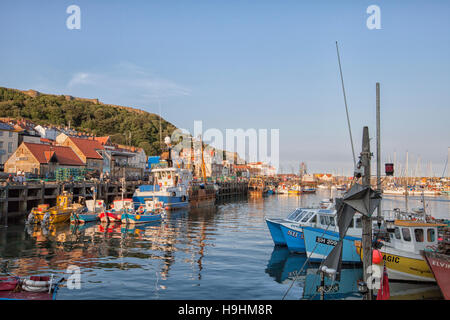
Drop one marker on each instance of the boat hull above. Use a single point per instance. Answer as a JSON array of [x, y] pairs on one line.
[[440, 266], [275, 232], [294, 239], [319, 243], [138, 219], [402, 266], [84, 218], [109, 216]]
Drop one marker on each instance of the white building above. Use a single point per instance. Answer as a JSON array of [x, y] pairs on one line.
[[47, 132], [9, 139]]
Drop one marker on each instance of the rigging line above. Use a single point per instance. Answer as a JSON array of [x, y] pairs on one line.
[[301, 269], [346, 108]]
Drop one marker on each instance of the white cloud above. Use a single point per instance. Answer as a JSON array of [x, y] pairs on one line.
[[126, 82]]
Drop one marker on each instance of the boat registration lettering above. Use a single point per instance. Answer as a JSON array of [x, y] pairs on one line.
[[391, 259], [328, 242], [292, 233]]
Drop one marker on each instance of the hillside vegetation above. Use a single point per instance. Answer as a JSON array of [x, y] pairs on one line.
[[88, 116]]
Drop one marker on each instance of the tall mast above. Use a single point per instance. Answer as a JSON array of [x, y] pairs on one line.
[[378, 150]]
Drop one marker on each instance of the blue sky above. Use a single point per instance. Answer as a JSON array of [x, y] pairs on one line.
[[250, 64]]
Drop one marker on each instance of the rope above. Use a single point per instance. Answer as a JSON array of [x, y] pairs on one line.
[[296, 276]]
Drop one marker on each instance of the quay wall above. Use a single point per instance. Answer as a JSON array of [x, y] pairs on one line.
[[17, 199]]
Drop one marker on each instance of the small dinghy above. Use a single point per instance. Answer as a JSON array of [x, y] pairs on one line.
[[29, 288]]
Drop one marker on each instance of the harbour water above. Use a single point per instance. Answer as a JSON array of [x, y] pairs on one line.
[[221, 253]]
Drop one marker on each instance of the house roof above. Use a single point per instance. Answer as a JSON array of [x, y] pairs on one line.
[[88, 147], [103, 140], [44, 153]]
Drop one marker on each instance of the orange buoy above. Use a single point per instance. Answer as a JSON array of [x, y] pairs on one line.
[[377, 257]]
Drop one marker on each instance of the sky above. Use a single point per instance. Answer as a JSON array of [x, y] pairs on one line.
[[251, 65]]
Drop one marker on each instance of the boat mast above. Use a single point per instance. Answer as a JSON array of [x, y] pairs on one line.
[[378, 150], [366, 221]]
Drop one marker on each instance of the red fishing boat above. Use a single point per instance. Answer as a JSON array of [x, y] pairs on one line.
[[439, 262], [440, 266]]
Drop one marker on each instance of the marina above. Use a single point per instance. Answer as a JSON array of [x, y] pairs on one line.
[[189, 254]]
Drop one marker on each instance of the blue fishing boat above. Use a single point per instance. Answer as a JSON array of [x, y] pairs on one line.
[[280, 229], [151, 211], [320, 239], [170, 187], [90, 212]]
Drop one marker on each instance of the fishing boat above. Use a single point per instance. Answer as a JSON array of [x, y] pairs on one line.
[[402, 253], [28, 288], [256, 187], [341, 187], [152, 211], [439, 263], [295, 189], [59, 213], [279, 235], [309, 190], [171, 186], [319, 239], [90, 212], [117, 209], [282, 189]]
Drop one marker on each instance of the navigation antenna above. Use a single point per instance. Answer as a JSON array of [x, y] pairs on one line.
[[346, 108]]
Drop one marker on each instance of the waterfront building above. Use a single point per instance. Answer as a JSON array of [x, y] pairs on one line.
[[41, 159], [8, 142]]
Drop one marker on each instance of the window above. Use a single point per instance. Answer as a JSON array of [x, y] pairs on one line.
[[323, 220], [359, 223], [406, 234], [10, 147], [1, 133], [397, 233], [10, 134], [300, 216], [314, 219], [352, 223], [307, 216], [418, 234], [332, 222], [431, 237], [294, 214], [1, 144]]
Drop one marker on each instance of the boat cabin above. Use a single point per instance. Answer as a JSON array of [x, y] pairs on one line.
[[414, 236], [122, 204], [170, 177]]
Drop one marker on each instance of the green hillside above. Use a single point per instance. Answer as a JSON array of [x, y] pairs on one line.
[[88, 116]]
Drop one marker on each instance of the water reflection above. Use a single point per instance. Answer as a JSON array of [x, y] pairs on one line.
[[224, 252]]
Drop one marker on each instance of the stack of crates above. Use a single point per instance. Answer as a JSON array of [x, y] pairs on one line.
[[66, 174]]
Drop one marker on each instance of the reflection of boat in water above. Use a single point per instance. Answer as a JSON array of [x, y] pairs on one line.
[[284, 265], [345, 288]]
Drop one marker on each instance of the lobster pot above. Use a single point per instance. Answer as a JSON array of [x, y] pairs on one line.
[[389, 169]]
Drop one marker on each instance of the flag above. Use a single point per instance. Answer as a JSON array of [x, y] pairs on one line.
[[383, 292]]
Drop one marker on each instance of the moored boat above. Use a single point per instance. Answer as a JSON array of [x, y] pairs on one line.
[[59, 213], [29, 288], [152, 211], [90, 213], [170, 186], [402, 253]]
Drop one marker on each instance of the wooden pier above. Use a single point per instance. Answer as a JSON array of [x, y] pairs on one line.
[[230, 190], [17, 199]]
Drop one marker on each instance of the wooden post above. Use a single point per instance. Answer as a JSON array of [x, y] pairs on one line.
[[366, 221]]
